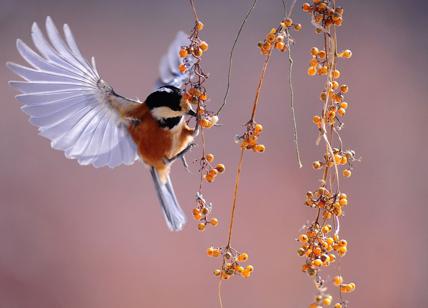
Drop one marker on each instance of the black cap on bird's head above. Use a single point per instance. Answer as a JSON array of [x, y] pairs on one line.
[[168, 102]]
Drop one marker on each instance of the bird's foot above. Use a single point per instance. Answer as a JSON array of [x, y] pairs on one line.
[[180, 155]]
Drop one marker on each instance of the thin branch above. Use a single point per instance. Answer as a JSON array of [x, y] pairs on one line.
[[235, 196], [231, 55], [290, 74], [192, 3]]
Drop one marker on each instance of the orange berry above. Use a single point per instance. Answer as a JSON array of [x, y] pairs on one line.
[[197, 52], [322, 54], [260, 148], [336, 74], [205, 123], [216, 253], [343, 202], [203, 96], [213, 172], [243, 257], [312, 71], [317, 262], [204, 46], [341, 112], [342, 251], [344, 105], [183, 53], [246, 274], [199, 25], [303, 238], [316, 165], [210, 251], [313, 62], [288, 22], [279, 45], [346, 54], [182, 68], [249, 268], [217, 272], [209, 157], [297, 27], [315, 51], [214, 222], [306, 7], [316, 119], [258, 128], [323, 70], [220, 168], [201, 226], [344, 88], [347, 173], [337, 280]]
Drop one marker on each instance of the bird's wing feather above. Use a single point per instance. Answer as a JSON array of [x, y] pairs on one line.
[[168, 67], [70, 104]]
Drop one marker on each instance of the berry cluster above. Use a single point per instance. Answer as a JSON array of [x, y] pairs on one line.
[[324, 14], [248, 140], [201, 212], [211, 172], [231, 263], [319, 247], [321, 243], [197, 95], [339, 158], [334, 91], [279, 38], [326, 202], [344, 287]]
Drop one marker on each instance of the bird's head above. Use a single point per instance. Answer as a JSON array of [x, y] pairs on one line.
[[168, 102]]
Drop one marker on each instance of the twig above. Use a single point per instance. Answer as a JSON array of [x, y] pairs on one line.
[[290, 74], [231, 55]]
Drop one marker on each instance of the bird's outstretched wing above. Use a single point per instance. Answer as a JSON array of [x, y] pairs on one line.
[[168, 67], [70, 104]]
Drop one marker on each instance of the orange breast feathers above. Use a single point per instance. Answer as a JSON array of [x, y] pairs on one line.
[[154, 142]]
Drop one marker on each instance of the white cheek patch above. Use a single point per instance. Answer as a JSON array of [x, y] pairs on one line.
[[165, 113]]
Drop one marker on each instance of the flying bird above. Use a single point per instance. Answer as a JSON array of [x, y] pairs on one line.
[[82, 115]]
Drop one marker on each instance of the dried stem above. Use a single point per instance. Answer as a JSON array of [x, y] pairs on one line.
[[231, 55], [235, 197], [290, 83]]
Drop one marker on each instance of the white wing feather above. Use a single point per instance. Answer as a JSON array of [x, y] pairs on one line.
[[67, 100], [168, 67]]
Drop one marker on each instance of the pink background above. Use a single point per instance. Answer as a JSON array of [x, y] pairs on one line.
[[73, 236]]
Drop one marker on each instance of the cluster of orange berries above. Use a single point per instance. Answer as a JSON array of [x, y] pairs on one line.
[[197, 95], [334, 91], [323, 199], [201, 212], [318, 247], [322, 300], [231, 263], [344, 287], [195, 49], [340, 158], [278, 38], [249, 139], [211, 172], [324, 14]]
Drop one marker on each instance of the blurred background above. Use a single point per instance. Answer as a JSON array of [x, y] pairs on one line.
[[73, 236]]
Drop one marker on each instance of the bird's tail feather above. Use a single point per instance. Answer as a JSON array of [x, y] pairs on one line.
[[174, 215]]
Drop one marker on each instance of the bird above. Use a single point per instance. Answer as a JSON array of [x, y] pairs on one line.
[[82, 115]]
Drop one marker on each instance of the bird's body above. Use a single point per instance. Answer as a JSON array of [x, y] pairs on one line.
[[83, 116], [158, 142]]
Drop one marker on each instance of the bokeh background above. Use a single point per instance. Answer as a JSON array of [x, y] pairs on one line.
[[73, 236]]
